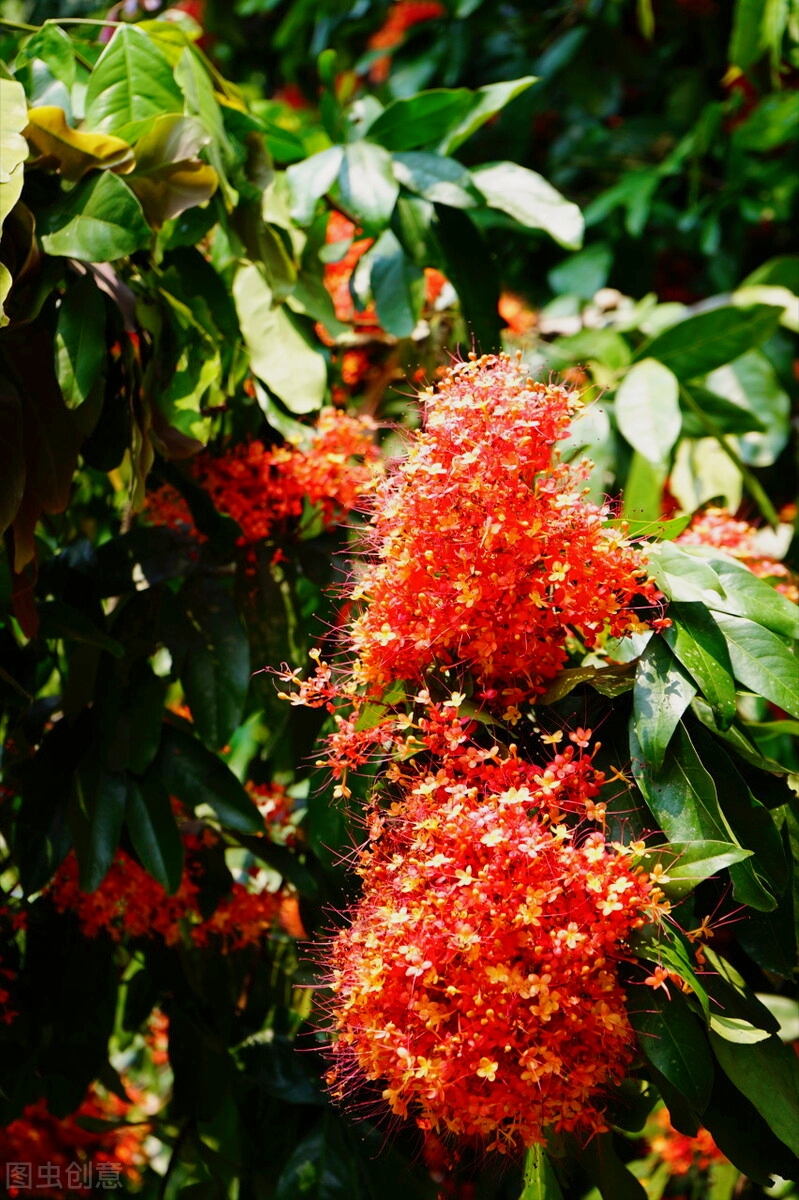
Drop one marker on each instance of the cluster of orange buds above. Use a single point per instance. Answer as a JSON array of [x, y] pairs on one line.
[[681, 1152], [401, 17]]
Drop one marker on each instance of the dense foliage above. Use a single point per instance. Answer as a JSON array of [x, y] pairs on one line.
[[399, 762]]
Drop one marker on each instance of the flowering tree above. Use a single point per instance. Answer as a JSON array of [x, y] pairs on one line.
[[396, 733]]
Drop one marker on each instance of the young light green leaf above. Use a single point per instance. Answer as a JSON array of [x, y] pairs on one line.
[[540, 1181], [530, 200], [682, 576], [486, 103], [131, 84], [280, 355], [735, 1029], [440, 180], [648, 409]]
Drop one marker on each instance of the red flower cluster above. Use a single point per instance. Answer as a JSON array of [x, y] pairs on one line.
[[57, 1157], [718, 527], [265, 488], [487, 555], [402, 16], [478, 978], [680, 1151], [129, 903]]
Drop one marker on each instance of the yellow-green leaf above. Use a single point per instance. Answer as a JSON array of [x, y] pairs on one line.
[[74, 152]]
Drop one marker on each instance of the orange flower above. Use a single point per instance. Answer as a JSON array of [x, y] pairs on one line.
[[64, 1159], [401, 17], [478, 978], [680, 1151], [486, 553]]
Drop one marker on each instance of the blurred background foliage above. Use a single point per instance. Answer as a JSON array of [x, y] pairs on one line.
[[235, 239]]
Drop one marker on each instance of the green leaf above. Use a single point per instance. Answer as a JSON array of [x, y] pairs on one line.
[[762, 662], [420, 120], [758, 26], [95, 816], [696, 640], [72, 151], [661, 694], [682, 576], [611, 680], [682, 795], [100, 220], [280, 354], [601, 1163], [197, 776], [200, 101], [467, 263], [673, 1040], [773, 123], [702, 343], [687, 863], [216, 671], [736, 1029], [367, 185], [53, 47], [742, 1134], [648, 409], [439, 180], [80, 341], [154, 832], [751, 381], [131, 84], [13, 152], [768, 1074], [321, 1167], [540, 1180], [726, 412], [309, 180], [582, 274], [396, 284], [169, 177], [530, 200], [782, 271], [61, 620], [486, 103]]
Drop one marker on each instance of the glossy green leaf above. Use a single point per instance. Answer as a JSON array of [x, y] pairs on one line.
[[530, 200], [169, 177], [702, 343], [440, 180], [661, 694], [486, 103], [604, 1168], [280, 354], [752, 381], [674, 1042], [697, 642], [197, 776], [768, 1074], [396, 284], [757, 28], [95, 815], [154, 832], [100, 220], [540, 1180], [750, 597], [309, 180], [741, 1133], [61, 620], [367, 185], [131, 84], [730, 416], [80, 341], [682, 576], [216, 669], [687, 863], [466, 261], [321, 1166], [682, 795], [200, 101], [13, 147], [736, 1029], [647, 409], [762, 662], [420, 120]]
